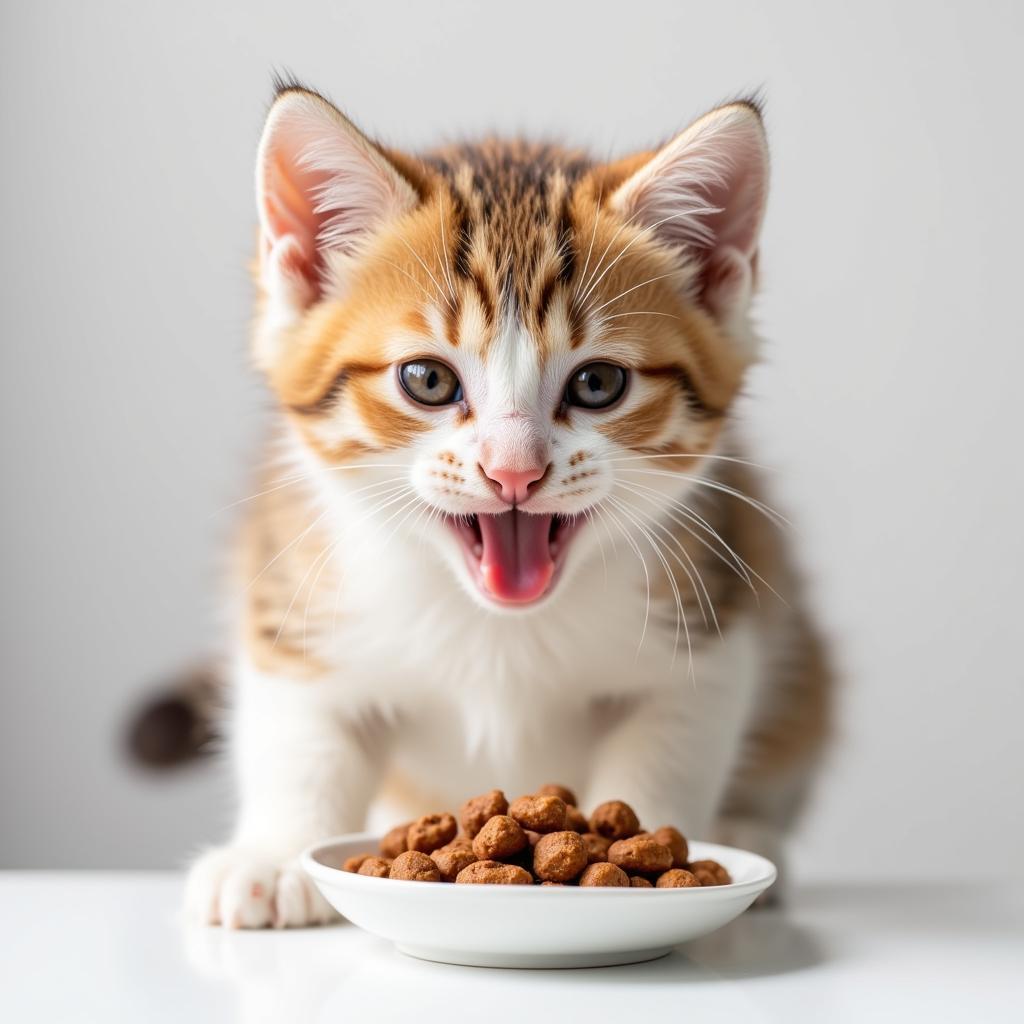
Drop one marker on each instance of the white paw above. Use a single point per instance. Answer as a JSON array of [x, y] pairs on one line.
[[240, 888]]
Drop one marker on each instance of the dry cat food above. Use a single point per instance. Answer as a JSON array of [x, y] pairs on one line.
[[538, 839]]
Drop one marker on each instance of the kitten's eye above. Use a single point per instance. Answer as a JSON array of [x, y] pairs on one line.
[[429, 382], [596, 385]]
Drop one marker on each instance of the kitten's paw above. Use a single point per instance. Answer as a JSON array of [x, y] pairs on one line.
[[239, 888]]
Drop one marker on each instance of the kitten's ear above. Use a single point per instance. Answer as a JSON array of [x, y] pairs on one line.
[[704, 193], [321, 187]]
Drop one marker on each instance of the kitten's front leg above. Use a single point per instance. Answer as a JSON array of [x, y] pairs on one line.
[[306, 769], [673, 755]]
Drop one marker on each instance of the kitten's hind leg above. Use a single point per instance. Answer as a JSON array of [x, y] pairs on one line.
[[306, 770]]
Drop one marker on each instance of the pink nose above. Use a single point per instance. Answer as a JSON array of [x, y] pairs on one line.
[[514, 485]]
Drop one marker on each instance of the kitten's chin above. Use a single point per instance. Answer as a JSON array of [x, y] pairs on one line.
[[514, 559]]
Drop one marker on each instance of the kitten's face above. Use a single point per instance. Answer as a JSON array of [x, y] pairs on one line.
[[505, 350]]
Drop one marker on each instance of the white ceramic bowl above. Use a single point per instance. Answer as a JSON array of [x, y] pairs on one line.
[[533, 926]]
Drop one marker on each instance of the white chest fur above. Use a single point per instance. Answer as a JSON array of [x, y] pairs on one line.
[[474, 698]]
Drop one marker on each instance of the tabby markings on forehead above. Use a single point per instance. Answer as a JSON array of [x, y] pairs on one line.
[[513, 221]]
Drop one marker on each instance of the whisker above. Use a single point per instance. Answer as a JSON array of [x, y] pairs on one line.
[[331, 548], [444, 250], [687, 455], [647, 575], [776, 518], [284, 482], [611, 537], [739, 566], [410, 505], [590, 248], [382, 504], [448, 293], [700, 590], [642, 284], [402, 521], [680, 613], [642, 233], [419, 284], [419, 259], [592, 284], [327, 551], [699, 587], [604, 562], [433, 512], [635, 312], [295, 540], [372, 512]]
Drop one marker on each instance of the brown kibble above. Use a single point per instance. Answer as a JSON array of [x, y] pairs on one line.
[[353, 864], [575, 819], [539, 813], [396, 842], [543, 839], [710, 872], [431, 832], [499, 839], [614, 820], [604, 874], [675, 841], [677, 878], [490, 872], [478, 810], [375, 867], [559, 856], [641, 853], [451, 859], [413, 866], [566, 795], [597, 847]]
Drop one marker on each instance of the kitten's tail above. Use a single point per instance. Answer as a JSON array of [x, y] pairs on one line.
[[178, 722]]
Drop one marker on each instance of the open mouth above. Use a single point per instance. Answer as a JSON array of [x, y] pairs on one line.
[[514, 557]]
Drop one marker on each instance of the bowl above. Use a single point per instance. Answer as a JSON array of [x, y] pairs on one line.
[[533, 926]]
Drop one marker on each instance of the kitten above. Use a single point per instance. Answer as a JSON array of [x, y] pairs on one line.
[[513, 540]]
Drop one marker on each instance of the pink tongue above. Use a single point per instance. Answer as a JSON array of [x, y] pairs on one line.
[[516, 564]]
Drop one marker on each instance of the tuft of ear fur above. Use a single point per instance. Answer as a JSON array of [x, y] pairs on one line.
[[704, 194], [321, 188]]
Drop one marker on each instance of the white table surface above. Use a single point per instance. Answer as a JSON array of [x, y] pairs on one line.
[[109, 947]]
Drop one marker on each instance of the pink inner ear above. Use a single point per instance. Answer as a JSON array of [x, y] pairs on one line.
[[289, 195], [705, 190], [321, 186], [739, 196]]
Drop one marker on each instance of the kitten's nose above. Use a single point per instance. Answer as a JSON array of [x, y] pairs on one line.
[[513, 485]]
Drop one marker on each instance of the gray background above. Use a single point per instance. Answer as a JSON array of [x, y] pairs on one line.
[[888, 398]]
